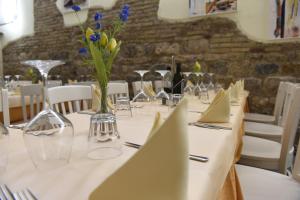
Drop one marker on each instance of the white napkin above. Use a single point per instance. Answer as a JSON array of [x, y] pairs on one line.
[[159, 170]]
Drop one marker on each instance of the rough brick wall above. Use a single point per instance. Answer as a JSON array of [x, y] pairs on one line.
[[148, 43]]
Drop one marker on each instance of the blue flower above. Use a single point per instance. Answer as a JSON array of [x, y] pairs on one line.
[[124, 13], [95, 37], [98, 16], [123, 17], [83, 51], [126, 7], [76, 8], [98, 25]]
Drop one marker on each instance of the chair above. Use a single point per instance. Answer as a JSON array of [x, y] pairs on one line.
[[54, 83], [34, 92], [136, 86], [271, 131], [4, 108], [270, 119], [74, 96], [117, 89], [259, 184], [267, 154]]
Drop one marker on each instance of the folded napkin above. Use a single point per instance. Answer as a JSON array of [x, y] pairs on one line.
[[148, 89], [72, 81], [159, 170], [96, 99], [189, 83], [219, 109], [241, 85], [234, 92]]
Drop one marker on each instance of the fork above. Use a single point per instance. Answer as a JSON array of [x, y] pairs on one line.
[[24, 195]]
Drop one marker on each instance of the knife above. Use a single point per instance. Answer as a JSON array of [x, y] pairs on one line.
[[191, 156]]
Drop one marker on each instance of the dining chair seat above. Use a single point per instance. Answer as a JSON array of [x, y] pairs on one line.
[[260, 184], [262, 118], [266, 131], [261, 153]]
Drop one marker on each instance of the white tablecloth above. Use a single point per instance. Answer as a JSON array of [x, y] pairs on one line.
[[77, 179]]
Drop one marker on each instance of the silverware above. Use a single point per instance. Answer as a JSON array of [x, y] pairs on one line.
[[7, 194], [24, 195], [211, 126], [191, 156]]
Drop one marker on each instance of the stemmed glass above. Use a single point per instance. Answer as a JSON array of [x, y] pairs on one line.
[[188, 88], [7, 78], [18, 80], [49, 135], [197, 88], [162, 93], [210, 86], [141, 96]]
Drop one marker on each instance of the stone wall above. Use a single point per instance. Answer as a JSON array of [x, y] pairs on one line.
[[149, 43]]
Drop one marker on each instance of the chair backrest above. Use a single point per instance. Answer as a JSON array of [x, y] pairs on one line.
[[117, 89], [296, 169], [280, 102], [4, 108], [72, 95], [136, 86], [54, 83], [88, 83], [34, 92], [291, 120]]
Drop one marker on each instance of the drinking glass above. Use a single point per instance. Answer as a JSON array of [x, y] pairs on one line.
[[204, 96], [7, 83], [197, 88], [4, 140], [104, 139], [162, 93], [141, 96], [49, 135], [123, 107]]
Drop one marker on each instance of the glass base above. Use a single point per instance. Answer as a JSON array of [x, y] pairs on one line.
[[141, 97], [104, 153]]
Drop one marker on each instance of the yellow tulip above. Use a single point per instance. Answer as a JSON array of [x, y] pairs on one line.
[[104, 39], [88, 33], [112, 44], [197, 67]]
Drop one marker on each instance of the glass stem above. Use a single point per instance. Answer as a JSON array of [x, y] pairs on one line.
[[45, 99], [142, 82]]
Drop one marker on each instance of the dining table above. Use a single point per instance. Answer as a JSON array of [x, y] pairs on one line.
[[215, 179]]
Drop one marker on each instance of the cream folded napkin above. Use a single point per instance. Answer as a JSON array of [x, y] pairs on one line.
[[189, 83], [219, 109], [234, 92], [72, 81], [96, 99], [148, 89], [159, 170]]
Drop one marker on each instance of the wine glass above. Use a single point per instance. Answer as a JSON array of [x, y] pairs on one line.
[[7, 78], [4, 140], [141, 96], [49, 135], [188, 88], [162, 93], [197, 88], [211, 86]]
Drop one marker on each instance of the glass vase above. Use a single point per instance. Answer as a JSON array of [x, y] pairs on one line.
[[103, 139]]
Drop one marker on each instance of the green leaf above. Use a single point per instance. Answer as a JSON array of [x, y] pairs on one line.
[[99, 64]]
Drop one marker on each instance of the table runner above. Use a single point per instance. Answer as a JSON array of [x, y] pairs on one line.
[[82, 175]]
